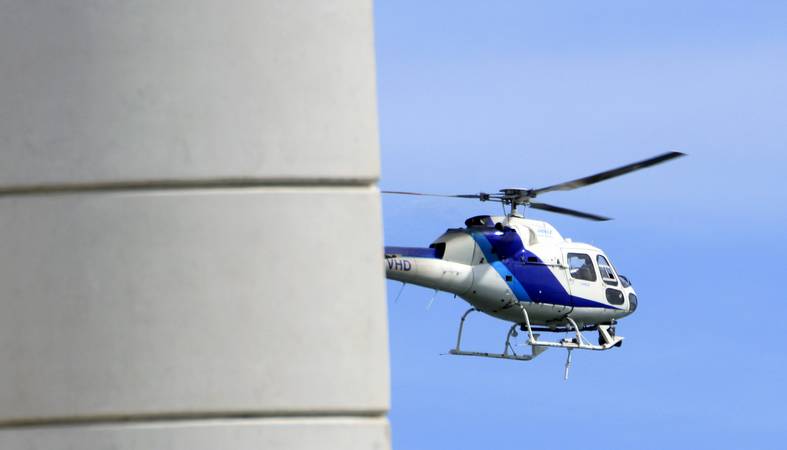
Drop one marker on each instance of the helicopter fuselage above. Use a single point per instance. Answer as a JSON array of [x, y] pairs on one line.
[[501, 265]]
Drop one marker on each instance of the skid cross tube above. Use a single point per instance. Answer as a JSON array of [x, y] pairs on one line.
[[570, 344], [578, 342]]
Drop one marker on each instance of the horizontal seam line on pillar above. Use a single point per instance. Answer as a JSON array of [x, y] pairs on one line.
[[158, 185], [183, 417]]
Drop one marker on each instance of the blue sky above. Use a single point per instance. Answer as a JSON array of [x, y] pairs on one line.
[[476, 96]]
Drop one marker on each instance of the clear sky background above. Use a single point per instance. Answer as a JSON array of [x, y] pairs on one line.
[[477, 96]]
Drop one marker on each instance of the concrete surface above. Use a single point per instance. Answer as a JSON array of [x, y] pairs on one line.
[[237, 434], [97, 91], [190, 228]]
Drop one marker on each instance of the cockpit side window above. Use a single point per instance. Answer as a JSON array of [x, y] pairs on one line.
[[606, 271], [581, 267]]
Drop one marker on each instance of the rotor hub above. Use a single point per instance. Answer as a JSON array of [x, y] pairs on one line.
[[517, 195]]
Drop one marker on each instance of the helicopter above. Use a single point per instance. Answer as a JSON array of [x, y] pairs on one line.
[[523, 271]]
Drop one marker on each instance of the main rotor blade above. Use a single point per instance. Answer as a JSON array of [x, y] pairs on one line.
[[570, 212], [480, 196], [606, 175]]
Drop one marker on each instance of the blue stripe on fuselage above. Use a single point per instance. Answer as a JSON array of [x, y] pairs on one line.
[[502, 269], [494, 243]]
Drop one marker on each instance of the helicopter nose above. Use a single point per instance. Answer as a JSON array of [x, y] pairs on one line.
[[632, 302]]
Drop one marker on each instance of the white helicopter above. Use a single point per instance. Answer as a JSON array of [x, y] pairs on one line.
[[523, 271]]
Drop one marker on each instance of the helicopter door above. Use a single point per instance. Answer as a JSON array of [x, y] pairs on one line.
[[583, 279], [545, 280]]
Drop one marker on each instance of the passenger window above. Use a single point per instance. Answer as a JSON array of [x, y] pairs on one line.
[[606, 271], [581, 267]]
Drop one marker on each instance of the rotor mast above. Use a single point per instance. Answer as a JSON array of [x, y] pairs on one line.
[[515, 197]]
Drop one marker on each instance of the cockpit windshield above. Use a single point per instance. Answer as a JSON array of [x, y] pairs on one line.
[[607, 274]]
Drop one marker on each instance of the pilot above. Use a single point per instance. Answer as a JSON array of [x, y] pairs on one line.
[[586, 272], [583, 272]]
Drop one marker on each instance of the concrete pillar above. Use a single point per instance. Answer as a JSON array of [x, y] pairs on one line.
[[190, 227]]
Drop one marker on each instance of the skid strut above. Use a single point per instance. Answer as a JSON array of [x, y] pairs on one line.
[[608, 340]]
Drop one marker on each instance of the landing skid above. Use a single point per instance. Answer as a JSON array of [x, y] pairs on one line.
[[607, 338], [508, 351]]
